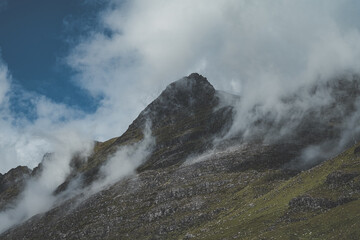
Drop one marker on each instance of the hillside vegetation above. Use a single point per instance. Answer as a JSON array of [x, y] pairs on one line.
[[190, 187]]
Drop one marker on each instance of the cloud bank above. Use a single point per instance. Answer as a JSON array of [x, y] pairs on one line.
[[24, 141], [260, 50], [38, 194]]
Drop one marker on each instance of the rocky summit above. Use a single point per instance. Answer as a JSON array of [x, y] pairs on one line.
[[199, 182]]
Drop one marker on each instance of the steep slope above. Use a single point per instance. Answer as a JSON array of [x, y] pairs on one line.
[[321, 203], [248, 188], [211, 200], [161, 203], [12, 183], [184, 120]]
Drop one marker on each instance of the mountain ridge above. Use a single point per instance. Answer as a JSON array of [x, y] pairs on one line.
[[189, 187]]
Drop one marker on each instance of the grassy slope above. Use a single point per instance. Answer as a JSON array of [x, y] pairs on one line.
[[251, 204], [263, 217]]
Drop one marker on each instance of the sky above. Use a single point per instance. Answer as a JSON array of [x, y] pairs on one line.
[[75, 71], [36, 36], [88, 67]]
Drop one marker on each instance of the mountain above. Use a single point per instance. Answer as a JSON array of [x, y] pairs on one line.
[[12, 183], [199, 182], [184, 120]]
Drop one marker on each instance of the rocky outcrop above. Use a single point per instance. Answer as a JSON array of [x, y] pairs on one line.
[[308, 203], [185, 119], [12, 183], [339, 179]]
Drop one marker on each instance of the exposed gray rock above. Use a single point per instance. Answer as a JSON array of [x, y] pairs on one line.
[[308, 203], [338, 179], [12, 183]]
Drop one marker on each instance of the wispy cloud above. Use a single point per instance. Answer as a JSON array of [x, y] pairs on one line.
[[4, 82], [38, 194], [24, 141], [258, 49]]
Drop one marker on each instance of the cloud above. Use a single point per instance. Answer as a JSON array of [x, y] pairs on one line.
[[24, 142], [125, 161], [261, 50], [4, 82], [258, 49], [62, 131], [38, 195]]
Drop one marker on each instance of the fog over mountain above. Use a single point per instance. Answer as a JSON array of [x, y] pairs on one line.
[[259, 50], [187, 133], [276, 88]]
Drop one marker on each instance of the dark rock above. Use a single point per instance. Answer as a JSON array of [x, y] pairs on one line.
[[357, 150], [308, 203], [36, 172], [269, 157], [337, 178], [184, 120], [12, 183], [14, 176]]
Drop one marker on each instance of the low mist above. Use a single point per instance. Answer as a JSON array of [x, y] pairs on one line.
[[125, 161], [37, 197], [320, 117]]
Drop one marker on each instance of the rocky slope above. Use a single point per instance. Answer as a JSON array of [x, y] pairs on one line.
[[12, 183], [245, 188], [183, 120]]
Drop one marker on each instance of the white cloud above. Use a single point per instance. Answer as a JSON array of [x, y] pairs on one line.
[[261, 48], [125, 161], [38, 195], [4, 82]]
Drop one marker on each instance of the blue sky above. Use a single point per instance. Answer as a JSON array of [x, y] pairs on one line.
[[35, 36]]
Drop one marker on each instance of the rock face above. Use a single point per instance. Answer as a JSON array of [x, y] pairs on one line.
[[183, 191], [340, 179], [308, 203], [184, 120], [12, 183], [183, 97]]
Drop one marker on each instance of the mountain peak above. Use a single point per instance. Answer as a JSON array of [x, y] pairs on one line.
[[193, 90], [193, 80], [183, 113], [184, 96], [196, 76]]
